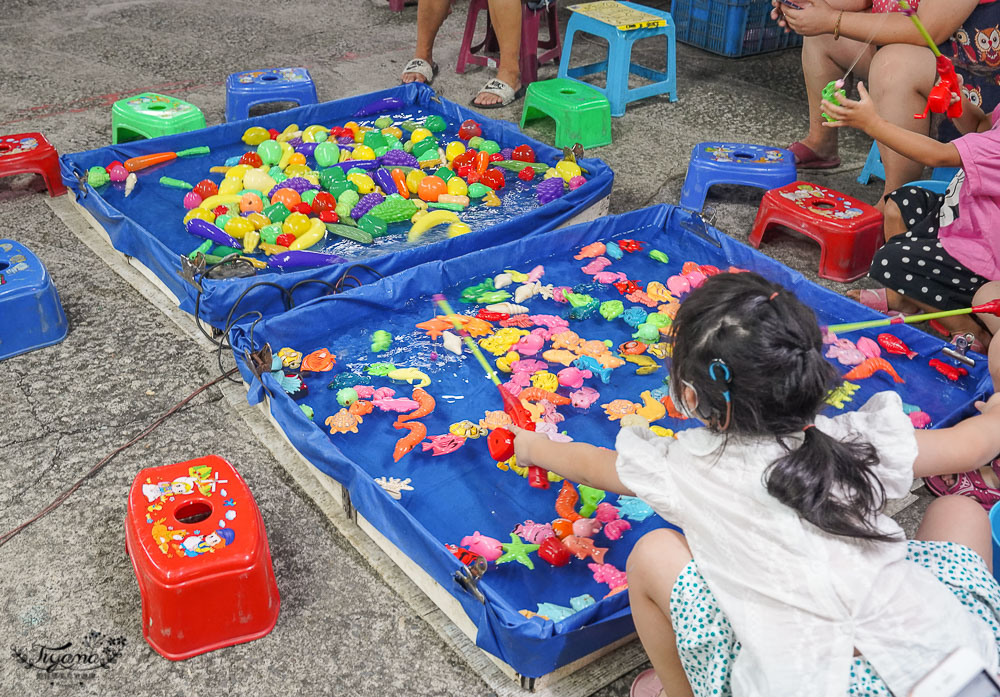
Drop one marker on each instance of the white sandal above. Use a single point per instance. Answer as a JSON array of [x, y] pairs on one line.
[[501, 89], [428, 71]]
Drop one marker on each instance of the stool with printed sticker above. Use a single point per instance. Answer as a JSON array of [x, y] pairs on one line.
[[848, 231], [31, 315], [30, 153], [734, 163], [200, 554], [149, 115], [255, 87]]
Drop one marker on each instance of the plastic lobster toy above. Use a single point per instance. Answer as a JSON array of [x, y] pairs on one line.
[[501, 441]]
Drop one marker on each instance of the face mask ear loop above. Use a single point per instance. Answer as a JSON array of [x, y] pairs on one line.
[[718, 365]]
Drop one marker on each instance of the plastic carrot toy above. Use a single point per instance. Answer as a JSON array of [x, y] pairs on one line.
[[990, 308], [500, 440], [134, 164]]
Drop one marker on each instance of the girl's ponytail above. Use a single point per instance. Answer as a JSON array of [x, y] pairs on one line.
[[830, 483]]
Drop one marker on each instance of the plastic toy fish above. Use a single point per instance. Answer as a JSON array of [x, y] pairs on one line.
[[383, 393], [952, 372], [596, 265], [362, 407], [841, 394], [566, 502], [486, 547], [633, 508], [608, 573], [678, 285], [517, 321], [516, 276], [594, 249], [536, 273], [631, 348], [553, 322], [845, 352], [381, 341], [397, 404], [410, 375], [609, 277], [565, 340], [417, 432], [573, 377], [586, 527], [495, 419], [869, 367], [594, 366], [605, 512], [559, 356], [443, 444], [634, 316], [582, 547], [642, 298], [533, 532], [426, 406], [545, 381], [528, 366], [290, 358], [584, 397], [893, 344], [868, 347], [672, 411], [466, 429], [536, 394], [646, 364], [630, 246], [626, 287], [657, 255], [613, 250], [529, 345]]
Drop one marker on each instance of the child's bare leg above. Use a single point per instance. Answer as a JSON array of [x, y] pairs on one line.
[[958, 519], [653, 566], [990, 291], [892, 224]]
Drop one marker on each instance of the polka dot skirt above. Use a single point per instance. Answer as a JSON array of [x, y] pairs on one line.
[[915, 264], [708, 648]]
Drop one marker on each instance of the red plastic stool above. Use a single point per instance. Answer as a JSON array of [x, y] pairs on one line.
[[848, 231], [24, 153], [530, 44], [200, 555]]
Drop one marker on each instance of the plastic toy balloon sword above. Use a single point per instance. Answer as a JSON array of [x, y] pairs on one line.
[[500, 440], [990, 308]]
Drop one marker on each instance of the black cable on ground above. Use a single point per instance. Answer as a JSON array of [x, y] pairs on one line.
[[61, 498]]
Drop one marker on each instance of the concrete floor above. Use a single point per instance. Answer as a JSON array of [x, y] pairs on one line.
[[342, 630]]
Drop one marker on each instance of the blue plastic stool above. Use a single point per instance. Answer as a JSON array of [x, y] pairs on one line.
[[735, 163], [873, 168], [619, 63], [254, 87], [938, 186], [29, 304], [995, 527]]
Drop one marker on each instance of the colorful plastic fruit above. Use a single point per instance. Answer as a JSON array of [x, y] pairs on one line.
[[431, 187], [526, 174], [524, 153], [296, 224], [493, 178], [289, 197], [469, 129]]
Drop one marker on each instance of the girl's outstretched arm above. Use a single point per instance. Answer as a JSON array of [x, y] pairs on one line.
[[861, 114], [579, 462], [963, 447]]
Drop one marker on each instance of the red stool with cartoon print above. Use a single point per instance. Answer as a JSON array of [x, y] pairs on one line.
[[848, 231], [200, 555], [30, 153]]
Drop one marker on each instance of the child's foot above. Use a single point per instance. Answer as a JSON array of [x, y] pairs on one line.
[[882, 301]]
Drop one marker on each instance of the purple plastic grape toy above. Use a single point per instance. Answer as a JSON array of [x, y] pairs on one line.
[[549, 190], [367, 202], [398, 158]]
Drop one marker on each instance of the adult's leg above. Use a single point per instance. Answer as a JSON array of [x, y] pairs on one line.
[[825, 60], [506, 18], [958, 519], [653, 566], [430, 16], [901, 76]]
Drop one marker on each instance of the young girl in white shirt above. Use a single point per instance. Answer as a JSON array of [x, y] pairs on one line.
[[789, 579]]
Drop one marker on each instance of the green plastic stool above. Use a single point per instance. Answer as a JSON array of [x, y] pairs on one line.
[[149, 115], [582, 114]]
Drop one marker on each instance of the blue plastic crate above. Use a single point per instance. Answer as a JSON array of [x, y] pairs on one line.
[[731, 28]]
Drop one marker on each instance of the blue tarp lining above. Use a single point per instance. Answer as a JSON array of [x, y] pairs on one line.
[[457, 494], [147, 224]]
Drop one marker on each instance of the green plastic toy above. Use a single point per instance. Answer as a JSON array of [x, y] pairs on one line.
[[381, 341]]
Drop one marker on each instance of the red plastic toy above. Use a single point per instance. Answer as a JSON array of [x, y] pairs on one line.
[[200, 554]]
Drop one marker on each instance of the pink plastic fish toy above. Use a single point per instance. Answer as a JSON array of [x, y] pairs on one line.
[[583, 547], [611, 575], [829, 337], [678, 285], [845, 352], [584, 397], [920, 419], [443, 444], [383, 393], [364, 391], [594, 249], [869, 348], [609, 276], [534, 533], [695, 278], [536, 273], [549, 413], [616, 528], [484, 546], [529, 345], [586, 527], [598, 264], [399, 404], [522, 379], [552, 431], [513, 387], [528, 366], [519, 321], [558, 295], [573, 377], [606, 512]]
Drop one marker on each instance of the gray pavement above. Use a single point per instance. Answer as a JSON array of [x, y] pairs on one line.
[[342, 630]]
